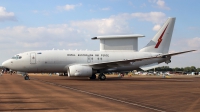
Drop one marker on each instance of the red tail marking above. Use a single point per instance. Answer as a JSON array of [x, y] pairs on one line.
[[160, 39]]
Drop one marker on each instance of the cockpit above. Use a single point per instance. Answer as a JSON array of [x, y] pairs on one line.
[[17, 57]]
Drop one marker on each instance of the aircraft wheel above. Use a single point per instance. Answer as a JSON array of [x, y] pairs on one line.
[[102, 77], [93, 76], [26, 78]]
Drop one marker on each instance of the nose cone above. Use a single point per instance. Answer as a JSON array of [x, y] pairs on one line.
[[6, 64]]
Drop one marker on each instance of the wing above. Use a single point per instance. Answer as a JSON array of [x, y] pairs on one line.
[[118, 63], [177, 53], [111, 64]]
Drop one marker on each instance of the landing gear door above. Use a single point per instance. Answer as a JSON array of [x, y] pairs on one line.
[[32, 58]]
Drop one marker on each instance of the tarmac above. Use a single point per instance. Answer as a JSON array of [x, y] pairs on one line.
[[44, 93]]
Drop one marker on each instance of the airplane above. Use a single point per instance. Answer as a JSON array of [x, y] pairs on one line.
[[117, 53]]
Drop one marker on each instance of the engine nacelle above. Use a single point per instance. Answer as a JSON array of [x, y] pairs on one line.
[[80, 70]]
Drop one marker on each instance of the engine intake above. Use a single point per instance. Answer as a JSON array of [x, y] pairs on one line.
[[80, 70]]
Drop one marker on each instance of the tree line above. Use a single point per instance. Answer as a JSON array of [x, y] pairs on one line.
[[177, 69]]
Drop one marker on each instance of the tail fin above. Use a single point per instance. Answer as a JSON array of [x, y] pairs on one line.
[[161, 41]]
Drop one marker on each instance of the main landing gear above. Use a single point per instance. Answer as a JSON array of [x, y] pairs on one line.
[[100, 77], [93, 77]]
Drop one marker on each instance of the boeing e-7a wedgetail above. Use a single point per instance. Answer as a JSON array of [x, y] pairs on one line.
[[117, 53]]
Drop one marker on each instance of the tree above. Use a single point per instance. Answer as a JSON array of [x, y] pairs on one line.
[[181, 69], [187, 69], [176, 69], [198, 69], [193, 69]]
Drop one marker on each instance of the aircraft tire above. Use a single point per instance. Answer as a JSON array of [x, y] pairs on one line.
[[102, 77], [26, 78]]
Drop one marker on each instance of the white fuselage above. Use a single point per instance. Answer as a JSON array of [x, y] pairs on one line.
[[59, 60]]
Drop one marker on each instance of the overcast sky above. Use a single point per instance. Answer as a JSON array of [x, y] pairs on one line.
[[27, 25]]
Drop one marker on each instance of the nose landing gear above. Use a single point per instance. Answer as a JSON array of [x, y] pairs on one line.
[[26, 77]]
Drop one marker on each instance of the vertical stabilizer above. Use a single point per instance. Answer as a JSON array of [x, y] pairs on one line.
[[161, 41]]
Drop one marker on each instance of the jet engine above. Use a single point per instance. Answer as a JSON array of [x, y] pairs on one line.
[[80, 70]]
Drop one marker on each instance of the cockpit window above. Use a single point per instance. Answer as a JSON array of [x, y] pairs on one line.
[[16, 57]]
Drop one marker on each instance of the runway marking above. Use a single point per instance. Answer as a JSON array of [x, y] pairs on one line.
[[102, 96]]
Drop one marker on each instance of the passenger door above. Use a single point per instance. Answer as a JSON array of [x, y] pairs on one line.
[[32, 58]]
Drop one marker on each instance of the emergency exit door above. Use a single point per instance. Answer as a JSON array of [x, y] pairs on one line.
[[32, 58]]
